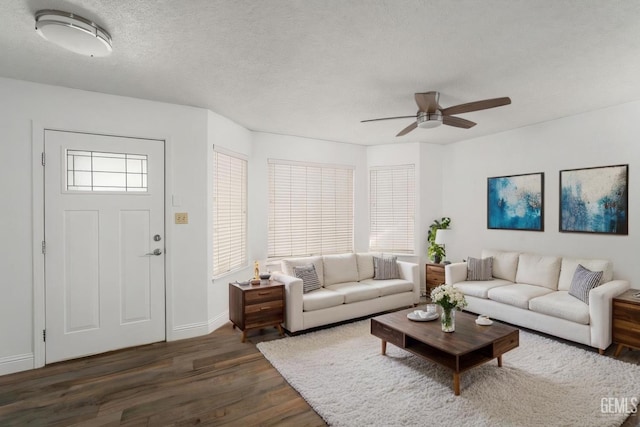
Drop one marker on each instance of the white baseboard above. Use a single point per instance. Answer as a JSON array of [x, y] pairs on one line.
[[190, 330], [218, 321], [16, 363]]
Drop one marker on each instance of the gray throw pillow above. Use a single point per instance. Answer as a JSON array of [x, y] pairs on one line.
[[583, 281], [479, 269], [307, 273], [385, 268]]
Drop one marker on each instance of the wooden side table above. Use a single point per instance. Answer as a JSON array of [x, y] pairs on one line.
[[626, 320], [256, 307], [434, 274]]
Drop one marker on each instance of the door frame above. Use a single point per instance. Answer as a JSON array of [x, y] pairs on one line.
[[38, 219]]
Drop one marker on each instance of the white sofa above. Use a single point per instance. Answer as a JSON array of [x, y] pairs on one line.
[[348, 290], [531, 291]]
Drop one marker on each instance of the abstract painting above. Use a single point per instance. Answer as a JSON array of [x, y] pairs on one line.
[[595, 200], [516, 202]]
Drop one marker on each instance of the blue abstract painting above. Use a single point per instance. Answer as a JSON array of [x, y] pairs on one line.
[[516, 202], [595, 200]]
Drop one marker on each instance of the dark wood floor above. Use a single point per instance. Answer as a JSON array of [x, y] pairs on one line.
[[210, 380]]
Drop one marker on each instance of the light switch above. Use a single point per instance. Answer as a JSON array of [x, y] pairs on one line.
[[182, 218]]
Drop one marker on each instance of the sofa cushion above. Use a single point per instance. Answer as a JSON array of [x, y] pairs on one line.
[[562, 305], [505, 264], [390, 287], [288, 264], [365, 266], [479, 269], [340, 268], [480, 289], [354, 291], [569, 265], [583, 281], [518, 294], [539, 270], [321, 298], [309, 277], [385, 268]]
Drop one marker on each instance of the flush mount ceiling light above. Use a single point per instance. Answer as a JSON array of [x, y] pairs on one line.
[[73, 33]]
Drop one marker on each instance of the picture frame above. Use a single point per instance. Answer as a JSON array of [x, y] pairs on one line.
[[516, 202], [595, 200]]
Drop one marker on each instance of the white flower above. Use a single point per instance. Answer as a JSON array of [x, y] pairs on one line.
[[448, 297]]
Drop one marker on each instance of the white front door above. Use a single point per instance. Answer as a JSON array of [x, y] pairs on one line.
[[104, 236]]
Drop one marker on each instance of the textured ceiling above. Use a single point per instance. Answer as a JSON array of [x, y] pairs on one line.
[[315, 68]]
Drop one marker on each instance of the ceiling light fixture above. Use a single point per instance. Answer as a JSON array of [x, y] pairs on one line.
[[429, 120], [73, 33]]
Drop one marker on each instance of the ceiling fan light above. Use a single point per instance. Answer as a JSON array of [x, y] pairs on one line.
[[73, 33], [429, 120]]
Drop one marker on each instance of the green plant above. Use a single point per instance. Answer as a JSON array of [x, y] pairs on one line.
[[437, 252]]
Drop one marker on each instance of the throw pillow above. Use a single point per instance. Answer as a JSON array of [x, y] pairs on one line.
[[385, 268], [583, 281], [479, 269], [307, 273]]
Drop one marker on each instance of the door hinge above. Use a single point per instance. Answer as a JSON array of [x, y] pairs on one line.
[[44, 335], [42, 158], [44, 247]]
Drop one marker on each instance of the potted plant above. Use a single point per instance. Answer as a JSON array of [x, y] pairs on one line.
[[436, 252]]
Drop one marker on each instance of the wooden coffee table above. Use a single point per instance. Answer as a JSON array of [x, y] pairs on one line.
[[470, 345]]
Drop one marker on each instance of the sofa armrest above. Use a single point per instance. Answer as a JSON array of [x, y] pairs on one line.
[[600, 311], [454, 273], [409, 271], [293, 301]]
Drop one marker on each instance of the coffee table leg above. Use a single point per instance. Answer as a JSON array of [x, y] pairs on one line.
[[500, 361], [384, 347], [456, 383]]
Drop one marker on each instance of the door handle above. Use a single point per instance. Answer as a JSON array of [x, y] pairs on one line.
[[155, 252]]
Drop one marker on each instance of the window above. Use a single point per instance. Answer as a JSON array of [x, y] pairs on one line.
[[230, 213], [310, 209], [97, 171], [392, 208]]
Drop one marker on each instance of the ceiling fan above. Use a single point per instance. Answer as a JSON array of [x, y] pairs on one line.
[[430, 114]]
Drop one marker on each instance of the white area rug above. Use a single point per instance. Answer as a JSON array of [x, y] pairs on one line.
[[343, 376]]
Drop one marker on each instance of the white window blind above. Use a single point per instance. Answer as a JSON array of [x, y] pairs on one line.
[[310, 209], [230, 213], [392, 209]]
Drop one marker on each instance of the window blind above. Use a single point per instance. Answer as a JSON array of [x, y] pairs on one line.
[[392, 209], [230, 213], [310, 209]]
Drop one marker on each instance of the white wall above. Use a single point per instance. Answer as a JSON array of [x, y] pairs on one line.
[[605, 137], [184, 129]]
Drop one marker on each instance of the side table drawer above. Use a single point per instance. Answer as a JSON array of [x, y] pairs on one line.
[[387, 334], [435, 275], [507, 343], [267, 306], [259, 295]]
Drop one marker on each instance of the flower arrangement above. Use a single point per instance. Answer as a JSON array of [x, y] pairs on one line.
[[450, 299]]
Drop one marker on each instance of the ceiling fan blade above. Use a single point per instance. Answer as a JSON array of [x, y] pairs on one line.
[[428, 102], [408, 129], [458, 122], [389, 118], [476, 105]]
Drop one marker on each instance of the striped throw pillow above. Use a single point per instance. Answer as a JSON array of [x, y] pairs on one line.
[[479, 269], [385, 268], [583, 281], [307, 273]]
